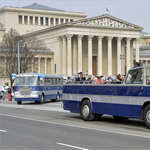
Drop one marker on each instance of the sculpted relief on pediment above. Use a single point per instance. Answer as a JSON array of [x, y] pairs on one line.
[[106, 22]]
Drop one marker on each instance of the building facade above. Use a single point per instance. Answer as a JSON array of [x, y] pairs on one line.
[[93, 45]]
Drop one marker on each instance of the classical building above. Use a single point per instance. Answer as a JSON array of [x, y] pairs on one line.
[[92, 45], [102, 45]]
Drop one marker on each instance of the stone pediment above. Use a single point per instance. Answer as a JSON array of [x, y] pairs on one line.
[[107, 21]]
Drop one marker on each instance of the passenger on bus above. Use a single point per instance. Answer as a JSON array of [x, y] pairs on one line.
[[88, 80], [118, 79], [69, 81], [80, 78]]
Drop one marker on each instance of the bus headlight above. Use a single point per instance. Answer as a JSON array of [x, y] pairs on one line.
[[17, 93], [34, 93]]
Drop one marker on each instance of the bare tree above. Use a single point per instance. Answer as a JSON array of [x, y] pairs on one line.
[[29, 46]]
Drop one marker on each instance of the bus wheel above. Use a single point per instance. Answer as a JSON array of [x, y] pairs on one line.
[[85, 111], [120, 118], [147, 116], [19, 102], [42, 99], [57, 97]]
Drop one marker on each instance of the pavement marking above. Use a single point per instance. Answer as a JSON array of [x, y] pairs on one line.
[[3, 130], [76, 126], [76, 147]]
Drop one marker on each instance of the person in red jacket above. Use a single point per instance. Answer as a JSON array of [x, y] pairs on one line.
[[9, 94]]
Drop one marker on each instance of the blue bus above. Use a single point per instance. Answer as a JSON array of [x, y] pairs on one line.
[[37, 87], [130, 99]]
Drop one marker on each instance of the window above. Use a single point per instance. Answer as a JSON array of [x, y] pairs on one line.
[[135, 77], [148, 76]]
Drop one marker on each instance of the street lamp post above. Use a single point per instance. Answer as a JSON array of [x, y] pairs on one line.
[[19, 57]]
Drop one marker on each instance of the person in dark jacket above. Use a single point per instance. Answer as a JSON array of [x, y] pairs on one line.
[[80, 78]]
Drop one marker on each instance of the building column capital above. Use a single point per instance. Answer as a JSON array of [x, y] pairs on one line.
[[137, 40], [63, 37], [69, 36], [90, 37], [58, 38], [109, 38], [100, 37], [80, 37], [119, 39], [128, 39]]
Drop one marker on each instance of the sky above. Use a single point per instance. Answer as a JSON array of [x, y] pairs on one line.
[[133, 11]]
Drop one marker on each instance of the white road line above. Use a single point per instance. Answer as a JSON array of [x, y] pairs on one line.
[[75, 126], [3, 130], [72, 146]]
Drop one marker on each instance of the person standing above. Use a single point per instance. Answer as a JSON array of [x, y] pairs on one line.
[[80, 78], [9, 94]]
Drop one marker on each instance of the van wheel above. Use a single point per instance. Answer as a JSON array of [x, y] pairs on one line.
[[19, 102], [147, 116], [85, 111]]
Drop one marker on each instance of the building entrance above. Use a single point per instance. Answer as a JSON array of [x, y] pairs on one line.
[[94, 65]]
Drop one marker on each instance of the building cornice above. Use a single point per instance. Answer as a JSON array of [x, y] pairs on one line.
[[46, 12]]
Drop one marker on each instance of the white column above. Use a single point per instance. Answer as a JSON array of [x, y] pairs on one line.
[[44, 21], [119, 55], [54, 21], [68, 20], [39, 21], [100, 57], [64, 21], [59, 21], [69, 56], [110, 56], [80, 53], [39, 62], [128, 57], [22, 19], [60, 54], [33, 20], [64, 55], [45, 65], [90, 54], [49, 21], [28, 19], [137, 50], [75, 56]]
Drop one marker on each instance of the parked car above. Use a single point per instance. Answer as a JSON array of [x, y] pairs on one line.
[[4, 88]]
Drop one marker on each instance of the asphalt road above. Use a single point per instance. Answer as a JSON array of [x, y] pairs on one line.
[[48, 127]]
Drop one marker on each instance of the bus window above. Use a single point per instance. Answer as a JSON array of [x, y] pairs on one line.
[[135, 77], [148, 76], [20, 80], [48, 81], [52, 81], [31, 80]]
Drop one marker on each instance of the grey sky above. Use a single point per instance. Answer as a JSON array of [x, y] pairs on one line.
[[134, 11]]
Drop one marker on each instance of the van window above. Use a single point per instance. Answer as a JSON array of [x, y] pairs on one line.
[[148, 76], [135, 77]]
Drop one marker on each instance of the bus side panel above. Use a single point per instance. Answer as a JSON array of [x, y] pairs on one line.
[[132, 111]]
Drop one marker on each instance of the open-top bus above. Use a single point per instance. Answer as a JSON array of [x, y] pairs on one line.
[[131, 99]]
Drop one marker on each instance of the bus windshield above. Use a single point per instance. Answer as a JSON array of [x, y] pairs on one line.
[[26, 80]]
